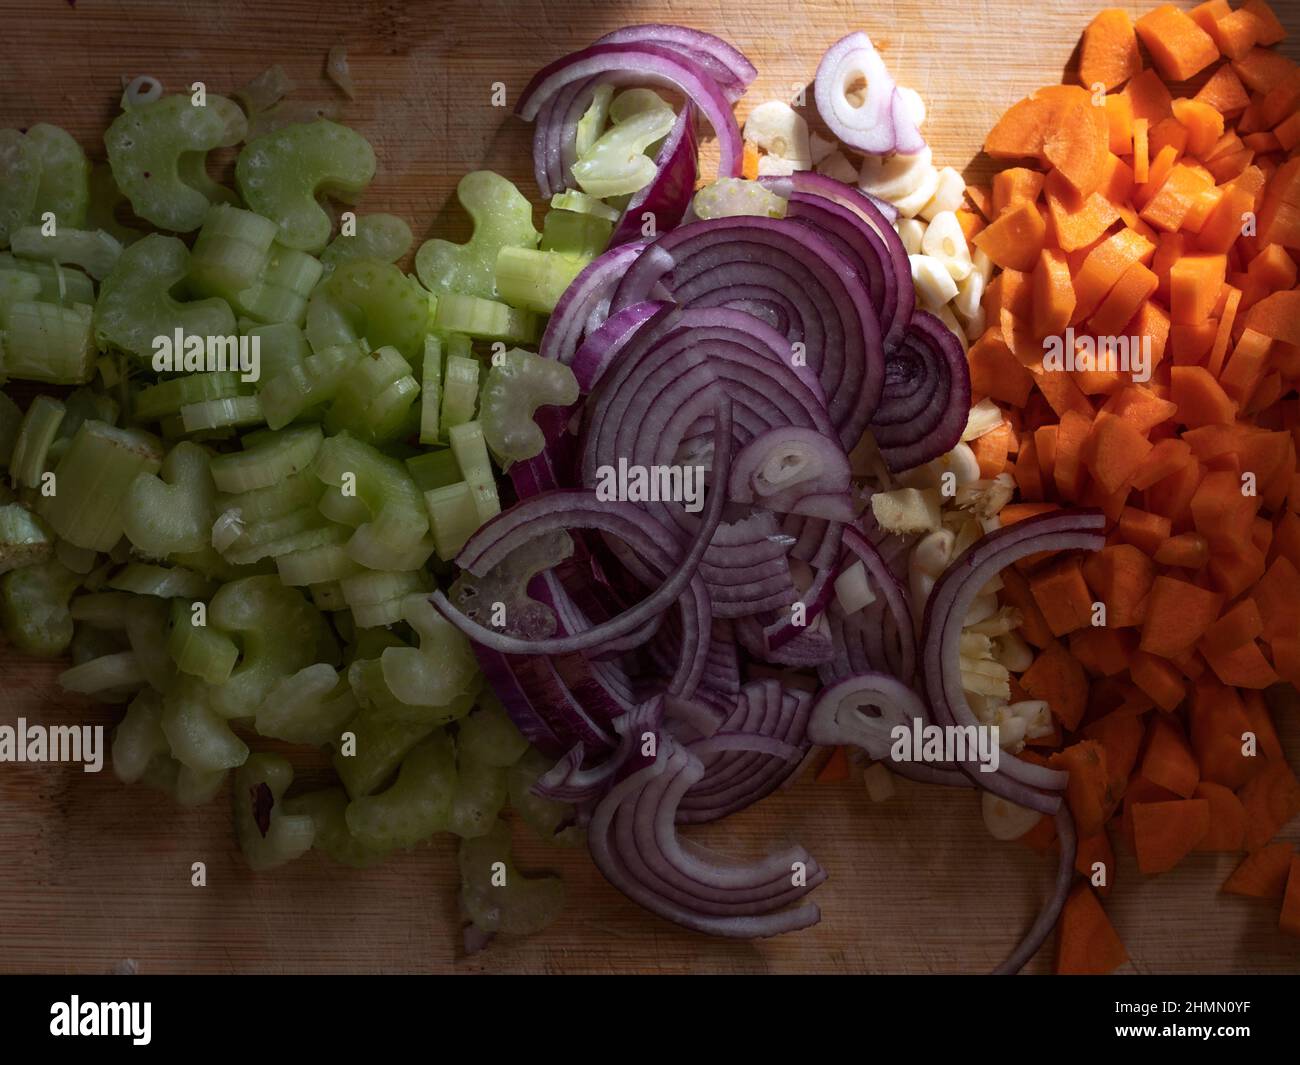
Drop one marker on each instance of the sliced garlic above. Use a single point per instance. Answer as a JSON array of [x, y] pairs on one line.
[[780, 131], [911, 204], [1012, 651], [891, 177], [949, 196], [934, 285], [933, 552], [907, 510], [945, 241], [853, 589], [1005, 820], [970, 296], [837, 166], [879, 782], [911, 231], [983, 418], [775, 166]]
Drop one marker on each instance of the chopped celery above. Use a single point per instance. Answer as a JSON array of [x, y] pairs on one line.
[[480, 794], [535, 280], [34, 607], [452, 516], [162, 582], [92, 250], [635, 101], [139, 738], [302, 532], [592, 123], [344, 509], [293, 392], [35, 435], [148, 148], [377, 747], [433, 469], [316, 565], [459, 391], [230, 252], [430, 389], [11, 420], [268, 833], [373, 397], [731, 196], [168, 397], [16, 286], [502, 216], [616, 164], [282, 346], [200, 650], [370, 299], [281, 174], [518, 906], [377, 615], [233, 411], [470, 448], [269, 456], [328, 810], [328, 597], [199, 737], [172, 511], [86, 405], [20, 181], [416, 806], [378, 236], [64, 189], [377, 586], [77, 559], [442, 668], [578, 234], [546, 817], [457, 313], [275, 500], [517, 384], [45, 342], [56, 284], [311, 706], [489, 736], [105, 200], [146, 631], [580, 203], [23, 539], [280, 292], [102, 610]]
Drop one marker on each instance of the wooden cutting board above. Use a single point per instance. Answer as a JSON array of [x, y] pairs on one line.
[[93, 873]]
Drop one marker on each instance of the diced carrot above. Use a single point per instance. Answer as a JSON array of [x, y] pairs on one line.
[[1015, 512], [1269, 29], [1069, 470], [836, 768], [1016, 593], [1063, 395], [1262, 874], [1042, 837], [1078, 144], [1271, 798], [1219, 725], [1029, 478], [1159, 679], [1260, 69], [1015, 240], [1208, 13], [1141, 150], [1223, 226], [1278, 599], [1261, 143], [1169, 133], [1058, 679], [1242, 667], [991, 450], [1179, 47], [1045, 442], [981, 197], [995, 372], [1221, 511], [1133, 288], [1279, 213], [1109, 52], [1143, 530], [1237, 625], [1053, 293], [1114, 451], [1273, 267], [1267, 743], [1172, 494], [1104, 265], [1203, 123], [1151, 326], [1191, 344], [1287, 132], [1149, 97], [970, 222], [1141, 408], [1102, 650], [749, 162], [1094, 860], [1200, 398], [1225, 168], [1062, 596], [1277, 316], [1224, 335], [1177, 615], [1077, 221], [1023, 129], [1236, 33], [1231, 571], [1289, 920], [1087, 944], [1014, 185], [1281, 100], [1120, 577], [1162, 165], [1246, 366], [1088, 792], [1121, 736], [1119, 120], [1194, 283], [1286, 658], [1227, 819], [1184, 551], [1168, 759], [1164, 833], [1224, 92]]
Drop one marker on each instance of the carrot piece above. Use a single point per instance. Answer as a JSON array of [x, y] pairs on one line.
[[1077, 221], [996, 373], [1119, 122], [1194, 283], [1237, 625], [1014, 185], [1105, 652], [1287, 132], [1087, 943], [1094, 859], [1246, 366], [1243, 667], [1149, 97], [1191, 344], [1088, 792], [1069, 470], [1177, 615], [1114, 451], [1224, 92], [1172, 494], [1231, 571], [1227, 819], [1271, 798], [1121, 736], [1151, 326], [1133, 288], [1281, 100], [1286, 658], [1200, 398], [1062, 595], [982, 198], [1045, 442], [1109, 52], [1184, 551], [1104, 265], [1179, 47], [1120, 577], [1279, 213], [1262, 874], [1164, 833], [749, 162], [1042, 837], [1063, 396], [836, 768], [1223, 226], [1143, 530], [1221, 338], [1267, 743], [1221, 512], [1278, 599], [970, 222], [1159, 679], [1277, 316], [1162, 165], [1169, 133], [1236, 33], [1204, 125], [991, 450], [1053, 293], [1170, 205], [1058, 679], [1015, 240], [1029, 478], [1260, 69], [1273, 267], [1016, 593], [1168, 759], [1140, 407], [1225, 168], [1141, 150], [1206, 14], [1262, 143], [1015, 512], [1269, 29], [1078, 143], [1219, 725]]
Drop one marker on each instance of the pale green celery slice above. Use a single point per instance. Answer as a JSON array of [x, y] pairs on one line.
[[105, 200], [728, 197], [489, 736], [460, 391], [200, 650], [44, 342], [268, 457], [617, 164], [281, 174], [433, 469], [196, 788], [145, 149], [64, 189], [502, 217], [136, 305], [312, 706], [20, 181], [139, 737], [278, 632], [480, 795], [77, 559], [274, 501], [192, 168], [457, 313], [168, 397], [230, 252], [592, 123], [146, 631], [630, 103], [236, 411], [520, 906], [452, 516], [15, 287], [328, 597], [573, 233], [346, 510], [101, 676], [535, 280], [441, 668], [431, 389], [517, 384], [102, 610], [172, 511], [36, 433], [363, 402], [373, 300], [199, 737], [164, 582], [94, 251], [328, 810], [316, 565], [546, 817], [415, 556], [87, 405], [292, 392], [384, 237], [378, 746], [23, 539], [376, 586], [579, 202], [265, 90], [378, 615], [281, 291], [317, 533], [470, 448], [281, 836], [34, 607], [59, 284], [416, 806], [282, 346]]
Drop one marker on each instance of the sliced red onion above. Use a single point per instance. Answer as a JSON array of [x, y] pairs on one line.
[[727, 66], [568, 781], [878, 124], [892, 624], [572, 318], [1046, 920], [779, 467], [662, 204]]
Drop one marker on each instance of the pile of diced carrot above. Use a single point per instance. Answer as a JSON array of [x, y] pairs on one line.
[[1159, 202]]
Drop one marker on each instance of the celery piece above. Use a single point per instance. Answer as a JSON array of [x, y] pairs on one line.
[[384, 237], [172, 511], [457, 313], [480, 794], [268, 834], [139, 737], [86, 405], [162, 582], [268, 456], [517, 384], [373, 397], [257, 543], [59, 284], [328, 810], [236, 411], [370, 299], [64, 189], [281, 174], [519, 906], [366, 677], [630, 103], [546, 817], [616, 164], [377, 747], [146, 631], [329, 597], [377, 615], [316, 565], [470, 447], [199, 736], [489, 736], [44, 342], [105, 200], [502, 217], [416, 806], [230, 252], [281, 347], [196, 787], [433, 469], [77, 559], [311, 706], [20, 180], [278, 632], [92, 250], [102, 610], [452, 516], [199, 650], [443, 666], [397, 517], [377, 586], [731, 196], [592, 123], [34, 608], [154, 148], [344, 509], [36, 433], [292, 392], [136, 305], [281, 290], [266, 90], [293, 493], [370, 643], [580, 235], [459, 391], [15, 287], [23, 539], [430, 389], [580, 203], [168, 397], [161, 774], [535, 280]]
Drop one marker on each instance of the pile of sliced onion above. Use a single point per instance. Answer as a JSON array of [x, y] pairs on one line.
[[861, 104]]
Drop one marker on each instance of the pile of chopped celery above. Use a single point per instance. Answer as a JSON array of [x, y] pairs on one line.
[[242, 551]]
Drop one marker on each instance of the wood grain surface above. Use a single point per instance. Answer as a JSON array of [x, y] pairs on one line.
[[93, 873]]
